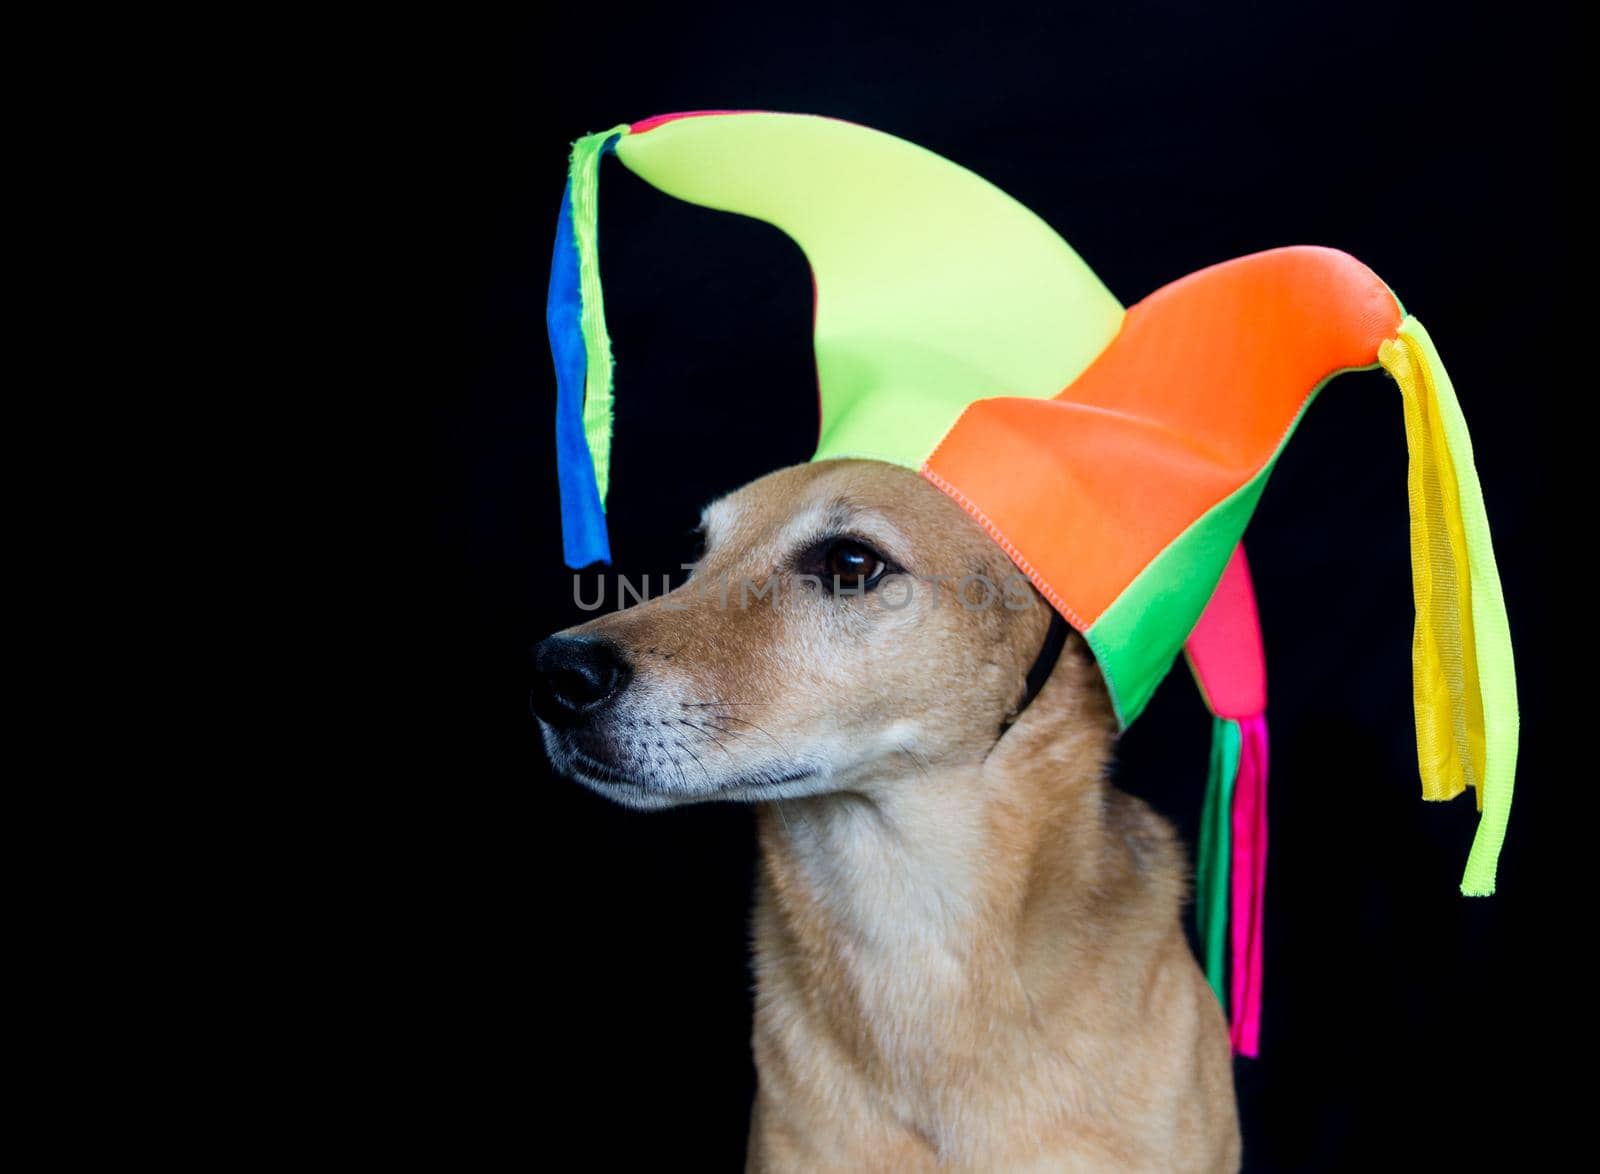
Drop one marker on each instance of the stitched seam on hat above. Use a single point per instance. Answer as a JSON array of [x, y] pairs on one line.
[[1015, 555]]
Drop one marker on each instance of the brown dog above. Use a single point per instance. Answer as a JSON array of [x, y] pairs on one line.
[[967, 942]]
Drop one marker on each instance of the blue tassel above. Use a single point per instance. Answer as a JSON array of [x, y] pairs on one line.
[[583, 521]]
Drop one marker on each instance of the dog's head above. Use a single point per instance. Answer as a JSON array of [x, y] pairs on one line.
[[847, 623]]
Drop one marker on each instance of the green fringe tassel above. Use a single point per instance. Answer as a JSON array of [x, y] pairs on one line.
[[1216, 853]]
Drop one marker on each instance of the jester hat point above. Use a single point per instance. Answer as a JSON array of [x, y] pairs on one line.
[[1115, 454]]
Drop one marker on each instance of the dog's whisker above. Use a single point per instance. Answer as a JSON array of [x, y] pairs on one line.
[[775, 742], [721, 745], [721, 729], [684, 746], [683, 779]]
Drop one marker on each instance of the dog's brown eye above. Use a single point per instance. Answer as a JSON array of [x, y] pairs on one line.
[[851, 566]]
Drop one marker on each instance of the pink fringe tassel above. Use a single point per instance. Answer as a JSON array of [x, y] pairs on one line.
[[1248, 884]]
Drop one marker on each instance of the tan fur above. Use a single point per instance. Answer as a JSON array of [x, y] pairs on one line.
[[967, 943]]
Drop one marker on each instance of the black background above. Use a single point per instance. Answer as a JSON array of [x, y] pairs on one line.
[[579, 972]]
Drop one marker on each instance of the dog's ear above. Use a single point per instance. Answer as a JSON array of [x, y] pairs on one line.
[[1070, 716]]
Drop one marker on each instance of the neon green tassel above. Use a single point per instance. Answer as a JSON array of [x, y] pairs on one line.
[[1216, 851], [584, 175]]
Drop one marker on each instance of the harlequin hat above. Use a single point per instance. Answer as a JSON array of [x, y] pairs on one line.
[[1115, 455]]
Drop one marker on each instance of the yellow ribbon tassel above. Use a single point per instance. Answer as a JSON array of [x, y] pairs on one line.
[[1463, 676]]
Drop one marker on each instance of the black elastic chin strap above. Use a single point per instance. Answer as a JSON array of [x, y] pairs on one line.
[[1055, 640]]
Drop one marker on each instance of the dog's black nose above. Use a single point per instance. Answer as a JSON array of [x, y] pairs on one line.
[[575, 677]]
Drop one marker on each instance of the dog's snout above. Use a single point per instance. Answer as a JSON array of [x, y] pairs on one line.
[[575, 676]]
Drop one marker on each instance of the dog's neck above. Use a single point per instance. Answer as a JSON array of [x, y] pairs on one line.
[[909, 913], [906, 918], [928, 929]]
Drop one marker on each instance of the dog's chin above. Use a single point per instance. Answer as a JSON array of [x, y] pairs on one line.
[[604, 779], [648, 791]]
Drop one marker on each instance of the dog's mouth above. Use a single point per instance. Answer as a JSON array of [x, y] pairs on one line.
[[593, 770], [605, 777]]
